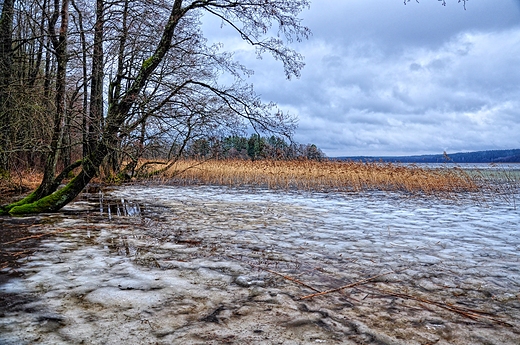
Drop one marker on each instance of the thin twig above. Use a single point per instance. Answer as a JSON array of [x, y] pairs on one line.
[[35, 236], [360, 282], [23, 252], [469, 313], [276, 273]]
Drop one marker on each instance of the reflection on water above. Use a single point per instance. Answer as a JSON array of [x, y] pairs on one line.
[[122, 208], [110, 206]]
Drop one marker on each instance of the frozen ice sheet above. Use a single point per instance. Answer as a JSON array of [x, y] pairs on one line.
[[200, 264]]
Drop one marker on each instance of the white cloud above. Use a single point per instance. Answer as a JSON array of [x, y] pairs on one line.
[[417, 102], [387, 79]]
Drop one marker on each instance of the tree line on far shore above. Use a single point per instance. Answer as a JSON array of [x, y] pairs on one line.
[[255, 147], [139, 155]]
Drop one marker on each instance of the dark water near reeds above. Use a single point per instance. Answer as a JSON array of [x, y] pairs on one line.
[[217, 265]]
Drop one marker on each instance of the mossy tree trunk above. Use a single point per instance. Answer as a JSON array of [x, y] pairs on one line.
[[35, 203], [65, 195]]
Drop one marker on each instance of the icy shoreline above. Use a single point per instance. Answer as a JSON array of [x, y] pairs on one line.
[[210, 265]]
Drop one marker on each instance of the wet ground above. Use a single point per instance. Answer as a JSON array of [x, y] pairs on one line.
[[214, 265]]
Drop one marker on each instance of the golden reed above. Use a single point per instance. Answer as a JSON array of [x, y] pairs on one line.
[[325, 175]]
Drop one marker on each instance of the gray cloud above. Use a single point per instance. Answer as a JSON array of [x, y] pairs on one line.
[[387, 79]]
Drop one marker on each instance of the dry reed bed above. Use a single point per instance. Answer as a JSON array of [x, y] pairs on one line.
[[309, 175], [326, 175]]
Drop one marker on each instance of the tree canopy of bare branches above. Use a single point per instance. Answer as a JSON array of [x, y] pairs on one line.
[[108, 75]]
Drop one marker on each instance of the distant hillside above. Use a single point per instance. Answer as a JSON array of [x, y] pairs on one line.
[[493, 156]]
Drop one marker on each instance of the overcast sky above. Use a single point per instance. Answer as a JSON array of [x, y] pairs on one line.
[[382, 78]]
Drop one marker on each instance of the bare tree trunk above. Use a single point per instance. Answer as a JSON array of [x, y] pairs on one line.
[[66, 139], [84, 112], [59, 42], [6, 62], [61, 197], [96, 92], [115, 158], [41, 42]]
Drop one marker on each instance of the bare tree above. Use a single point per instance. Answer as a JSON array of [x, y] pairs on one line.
[[24, 106], [59, 43], [163, 76]]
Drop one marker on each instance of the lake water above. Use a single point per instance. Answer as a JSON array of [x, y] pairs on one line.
[[217, 265]]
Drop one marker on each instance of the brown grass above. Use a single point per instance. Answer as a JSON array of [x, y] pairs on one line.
[[321, 176], [17, 183]]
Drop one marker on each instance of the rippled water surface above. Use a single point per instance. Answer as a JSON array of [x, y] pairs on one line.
[[214, 265]]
